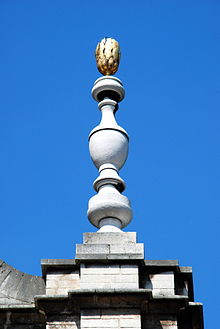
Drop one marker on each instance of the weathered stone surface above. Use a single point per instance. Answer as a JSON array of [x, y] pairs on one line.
[[109, 289], [95, 268], [110, 318], [110, 251], [160, 263], [125, 256], [92, 298], [109, 276], [21, 317], [87, 256], [60, 283], [159, 321], [17, 287], [63, 321], [108, 285], [129, 269], [110, 245], [185, 269], [109, 237], [127, 248], [90, 249], [162, 283]]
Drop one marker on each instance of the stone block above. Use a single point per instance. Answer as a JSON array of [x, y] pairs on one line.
[[122, 313], [109, 276], [126, 285], [63, 277], [93, 285], [64, 284], [127, 248], [162, 276], [109, 285], [90, 314], [129, 269], [102, 278], [110, 245], [163, 292], [109, 237], [161, 263], [162, 283], [61, 325], [159, 321], [99, 323], [63, 322], [86, 269], [92, 256], [60, 284], [60, 291], [130, 323], [90, 249], [124, 256], [111, 318]]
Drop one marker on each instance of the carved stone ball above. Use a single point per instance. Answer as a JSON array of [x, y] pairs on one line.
[[107, 56]]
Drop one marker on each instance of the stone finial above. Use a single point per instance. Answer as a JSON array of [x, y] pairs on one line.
[[107, 56], [109, 210]]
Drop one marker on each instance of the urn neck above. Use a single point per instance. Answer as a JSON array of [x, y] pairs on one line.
[[108, 108], [110, 225]]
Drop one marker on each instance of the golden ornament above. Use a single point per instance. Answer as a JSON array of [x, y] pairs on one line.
[[107, 56]]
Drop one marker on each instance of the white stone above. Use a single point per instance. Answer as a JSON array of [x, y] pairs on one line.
[[108, 83], [96, 323], [163, 292], [159, 321], [125, 285], [129, 269], [127, 248], [60, 284], [109, 278], [163, 281], [99, 269], [108, 146], [92, 249], [130, 323], [72, 323], [63, 277], [110, 318], [162, 276], [122, 313], [91, 314], [109, 238], [63, 284], [109, 203]]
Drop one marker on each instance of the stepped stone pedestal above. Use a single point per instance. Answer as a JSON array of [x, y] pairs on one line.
[[112, 290], [110, 285], [110, 245]]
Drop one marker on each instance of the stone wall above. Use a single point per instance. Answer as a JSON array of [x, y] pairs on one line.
[[110, 319], [61, 283], [159, 321], [63, 322], [115, 276]]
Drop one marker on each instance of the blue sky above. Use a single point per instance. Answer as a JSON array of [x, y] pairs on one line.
[[170, 69]]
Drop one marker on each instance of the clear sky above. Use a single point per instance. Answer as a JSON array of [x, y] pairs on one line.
[[170, 68]]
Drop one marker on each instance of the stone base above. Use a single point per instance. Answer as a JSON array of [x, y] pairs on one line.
[[117, 293], [110, 245]]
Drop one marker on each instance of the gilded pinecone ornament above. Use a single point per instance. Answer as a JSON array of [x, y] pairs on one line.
[[107, 56]]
